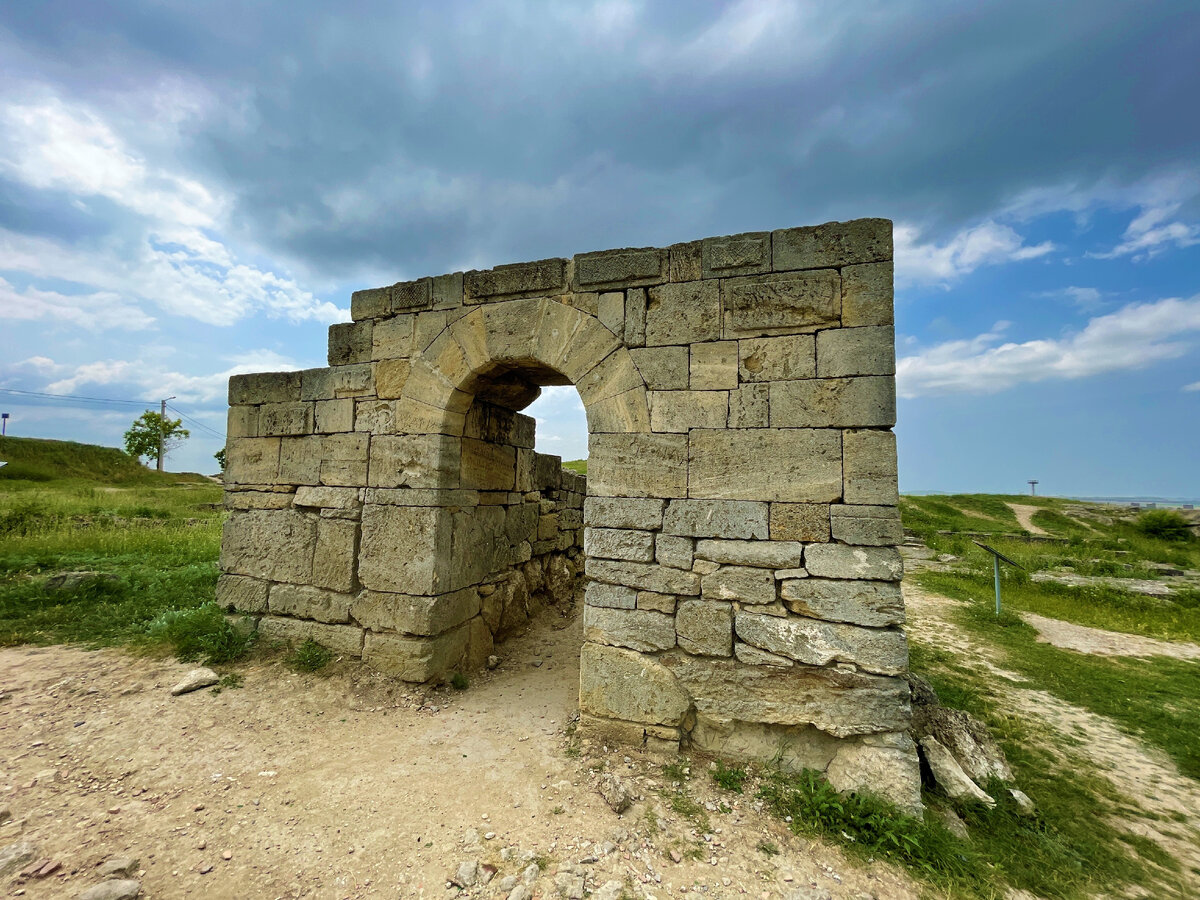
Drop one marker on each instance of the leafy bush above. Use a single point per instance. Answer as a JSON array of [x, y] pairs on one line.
[[202, 633], [310, 657], [1165, 524]]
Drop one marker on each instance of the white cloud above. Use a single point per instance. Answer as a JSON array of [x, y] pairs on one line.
[[1086, 298], [94, 311], [987, 244], [174, 257], [1194, 386], [1133, 337]]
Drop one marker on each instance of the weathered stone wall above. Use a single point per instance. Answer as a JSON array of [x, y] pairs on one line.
[[741, 521]]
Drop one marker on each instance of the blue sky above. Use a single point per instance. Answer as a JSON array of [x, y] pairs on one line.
[[192, 190]]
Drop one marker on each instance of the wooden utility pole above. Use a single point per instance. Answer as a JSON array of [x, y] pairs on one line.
[[162, 421]]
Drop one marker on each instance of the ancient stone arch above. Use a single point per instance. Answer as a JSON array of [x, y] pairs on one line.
[[740, 521]]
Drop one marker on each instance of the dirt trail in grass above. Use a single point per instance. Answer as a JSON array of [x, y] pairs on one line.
[[1082, 639], [352, 786], [1024, 513], [1146, 776]]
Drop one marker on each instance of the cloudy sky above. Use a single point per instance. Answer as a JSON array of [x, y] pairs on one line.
[[192, 189]]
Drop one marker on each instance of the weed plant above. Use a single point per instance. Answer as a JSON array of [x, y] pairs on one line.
[[201, 633], [310, 657]]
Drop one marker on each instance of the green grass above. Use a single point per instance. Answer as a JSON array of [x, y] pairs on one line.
[[310, 657], [579, 466], [730, 778], [37, 460], [1071, 848]]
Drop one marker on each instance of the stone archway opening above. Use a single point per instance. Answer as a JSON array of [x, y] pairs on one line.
[[741, 515]]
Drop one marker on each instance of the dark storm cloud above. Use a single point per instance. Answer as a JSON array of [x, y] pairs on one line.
[[411, 138]]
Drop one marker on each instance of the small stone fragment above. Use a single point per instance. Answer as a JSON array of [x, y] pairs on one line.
[[195, 680], [616, 792], [117, 889], [118, 865], [15, 856]]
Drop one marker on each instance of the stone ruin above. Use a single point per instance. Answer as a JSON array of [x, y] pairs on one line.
[[738, 523]]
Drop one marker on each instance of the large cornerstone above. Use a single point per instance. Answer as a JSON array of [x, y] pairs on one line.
[[737, 526]]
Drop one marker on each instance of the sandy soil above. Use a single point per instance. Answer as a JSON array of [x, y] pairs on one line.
[[1146, 776], [350, 786], [1082, 639], [1024, 513]]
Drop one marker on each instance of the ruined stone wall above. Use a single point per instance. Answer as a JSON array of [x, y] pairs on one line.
[[740, 517]]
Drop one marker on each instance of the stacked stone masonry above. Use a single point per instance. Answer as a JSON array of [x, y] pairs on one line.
[[740, 524]]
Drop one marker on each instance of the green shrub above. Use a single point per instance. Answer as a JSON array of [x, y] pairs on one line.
[[731, 779], [310, 657], [1165, 524], [202, 633], [459, 682]]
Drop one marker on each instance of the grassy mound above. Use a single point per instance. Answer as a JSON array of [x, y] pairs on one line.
[[40, 460]]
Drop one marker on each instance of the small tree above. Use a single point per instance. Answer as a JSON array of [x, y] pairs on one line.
[[1165, 524], [219, 456], [150, 431]]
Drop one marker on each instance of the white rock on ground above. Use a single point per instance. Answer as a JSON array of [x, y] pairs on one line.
[[195, 680], [14, 856], [949, 774], [118, 889], [119, 865]]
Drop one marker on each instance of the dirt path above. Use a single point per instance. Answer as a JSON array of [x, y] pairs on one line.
[[1024, 513], [348, 786], [1081, 639], [1146, 776]]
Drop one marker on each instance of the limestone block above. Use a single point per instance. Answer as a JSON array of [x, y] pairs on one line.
[[420, 615], [401, 547], [487, 466], [278, 419], [613, 596], [843, 352], [635, 317], [745, 584], [878, 650], [276, 545], [752, 656], [426, 328], [525, 468], [683, 313], [547, 529], [242, 422], [842, 561], [834, 403], [570, 341], [391, 375], [619, 543], [417, 461], [716, 518], [949, 775], [264, 387], [413, 416], [867, 297], [416, 659], [620, 268], [644, 576], [486, 422], [521, 522], [373, 416], [663, 603], [686, 261], [633, 628], [350, 342], [237, 592], [797, 465], [337, 459], [884, 764], [834, 244], [738, 254], [662, 368], [346, 640], [252, 460], [584, 301], [511, 328], [370, 304], [336, 382], [613, 375], [333, 416], [680, 411], [869, 470], [546, 276], [637, 465], [336, 554], [392, 338], [445, 497], [244, 499], [866, 525], [547, 472], [871, 603], [305, 602], [412, 295], [705, 627], [774, 304], [448, 291], [783, 358], [841, 704], [621, 684], [625, 413], [328, 497], [749, 407], [763, 554], [808, 522], [623, 512], [714, 366], [674, 551]]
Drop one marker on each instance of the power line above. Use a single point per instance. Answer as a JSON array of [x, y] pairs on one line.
[[196, 422], [39, 394]]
